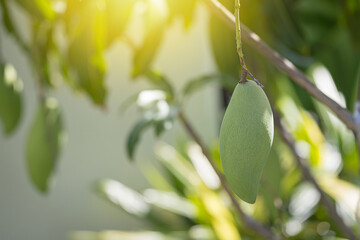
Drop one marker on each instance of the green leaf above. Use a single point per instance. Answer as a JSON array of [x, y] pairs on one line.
[[88, 69], [178, 167], [155, 20], [85, 52], [43, 46], [164, 121], [184, 9], [135, 134], [38, 9], [117, 16], [342, 59], [317, 18], [158, 113], [159, 80], [160, 127], [223, 44], [43, 144], [10, 98], [270, 187]]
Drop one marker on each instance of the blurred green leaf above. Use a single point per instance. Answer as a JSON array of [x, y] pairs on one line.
[[11, 88], [155, 21], [157, 113], [38, 9], [117, 17], [342, 59], [171, 176], [270, 186], [184, 9], [44, 143], [85, 52], [223, 43], [164, 121], [151, 207], [332, 42], [177, 166], [43, 45], [135, 134], [155, 178], [316, 19], [159, 80]]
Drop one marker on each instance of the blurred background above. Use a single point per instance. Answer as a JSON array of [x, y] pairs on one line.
[[106, 81], [95, 146]]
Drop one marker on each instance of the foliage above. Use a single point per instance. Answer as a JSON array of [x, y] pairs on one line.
[[320, 37]]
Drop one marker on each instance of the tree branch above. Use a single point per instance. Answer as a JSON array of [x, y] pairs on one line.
[[284, 65], [250, 222], [288, 139]]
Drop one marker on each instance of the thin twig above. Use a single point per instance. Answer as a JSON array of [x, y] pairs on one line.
[[284, 65], [239, 44], [41, 90], [288, 139], [250, 222], [1, 52], [245, 70]]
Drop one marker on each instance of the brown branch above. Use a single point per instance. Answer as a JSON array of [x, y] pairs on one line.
[[250, 222], [288, 139], [284, 65]]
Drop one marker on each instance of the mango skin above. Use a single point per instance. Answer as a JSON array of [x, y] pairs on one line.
[[246, 136]]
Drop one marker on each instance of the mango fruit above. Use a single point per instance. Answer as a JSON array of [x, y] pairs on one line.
[[246, 136]]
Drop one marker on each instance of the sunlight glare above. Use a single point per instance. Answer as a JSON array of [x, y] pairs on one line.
[[59, 6], [148, 97], [52, 103], [303, 202], [346, 194], [159, 4], [332, 161], [10, 74], [303, 149], [101, 5], [12, 79], [128, 199], [325, 83], [171, 201], [163, 109], [203, 167], [293, 227], [255, 36]]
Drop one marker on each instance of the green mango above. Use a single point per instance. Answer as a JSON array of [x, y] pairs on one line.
[[246, 136]]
